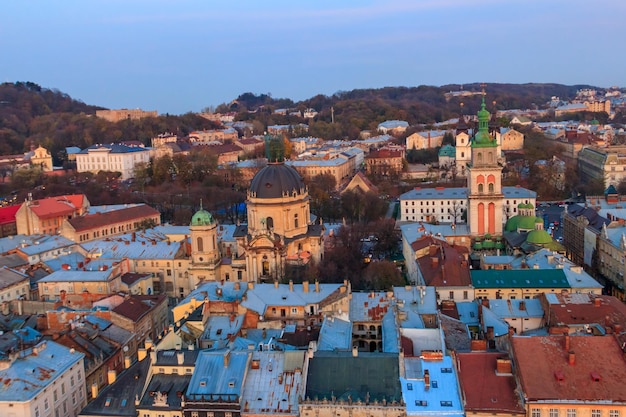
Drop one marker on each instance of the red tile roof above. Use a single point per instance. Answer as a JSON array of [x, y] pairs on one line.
[[137, 306], [384, 153], [64, 205], [7, 214], [93, 221], [496, 391], [444, 265], [580, 309], [596, 372]]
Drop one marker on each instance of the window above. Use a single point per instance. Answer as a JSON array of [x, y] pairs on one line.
[[46, 405], [465, 295], [554, 412], [613, 413], [446, 370], [571, 412], [446, 403], [451, 295], [295, 220], [63, 388], [294, 310], [421, 403], [409, 386], [595, 413], [434, 384], [36, 411], [55, 396]]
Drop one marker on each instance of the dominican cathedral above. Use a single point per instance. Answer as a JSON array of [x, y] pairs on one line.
[[280, 232]]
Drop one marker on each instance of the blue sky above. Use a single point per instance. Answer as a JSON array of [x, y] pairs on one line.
[[184, 55]]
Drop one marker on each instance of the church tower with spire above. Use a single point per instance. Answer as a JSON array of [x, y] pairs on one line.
[[484, 181]]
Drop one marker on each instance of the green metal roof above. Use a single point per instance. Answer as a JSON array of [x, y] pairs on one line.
[[202, 218], [519, 278], [339, 374]]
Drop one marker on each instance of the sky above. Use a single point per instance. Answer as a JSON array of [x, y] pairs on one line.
[[176, 56]]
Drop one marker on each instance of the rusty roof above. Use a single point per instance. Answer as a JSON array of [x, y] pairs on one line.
[[137, 306], [570, 368], [92, 221], [496, 391]]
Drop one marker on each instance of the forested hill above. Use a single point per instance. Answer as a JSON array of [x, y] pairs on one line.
[[33, 115], [363, 109]]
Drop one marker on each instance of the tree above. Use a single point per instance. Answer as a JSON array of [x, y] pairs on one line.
[[381, 275]]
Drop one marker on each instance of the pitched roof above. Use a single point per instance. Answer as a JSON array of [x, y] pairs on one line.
[[335, 374], [7, 214], [444, 265], [576, 368], [92, 221], [57, 206], [496, 391], [137, 306]]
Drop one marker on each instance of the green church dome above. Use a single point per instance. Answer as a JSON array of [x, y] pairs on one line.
[[538, 220], [539, 237], [527, 223], [202, 218], [511, 224]]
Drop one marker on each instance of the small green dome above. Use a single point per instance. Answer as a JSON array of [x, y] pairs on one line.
[[530, 206], [539, 237], [202, 218], [538, 220], [521, 206]]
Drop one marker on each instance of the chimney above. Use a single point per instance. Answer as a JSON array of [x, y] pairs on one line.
[[597, 302], [426, 379], [522, 305], [305, 286], [490, 334], [571, 357], [250, 285], [180, 357], [94, 390], [226, 359], [434, 262], [153, 356], [503, 366], [317, 286], [237, 286], [355, 351], [111, 376], [127, 362], [276, 284], [141, 354], [567, 342], [291, 285]]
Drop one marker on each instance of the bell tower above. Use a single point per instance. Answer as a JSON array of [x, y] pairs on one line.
[[484, 181]]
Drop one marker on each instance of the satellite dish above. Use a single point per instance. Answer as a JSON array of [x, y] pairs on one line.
[[125, 349]]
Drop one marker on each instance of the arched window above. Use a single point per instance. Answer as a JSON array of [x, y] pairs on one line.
[[295, 220], [462, 154], [491, 187], [480, 188], [490, 157], [270, 223], [200, 244], [479, 157]]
